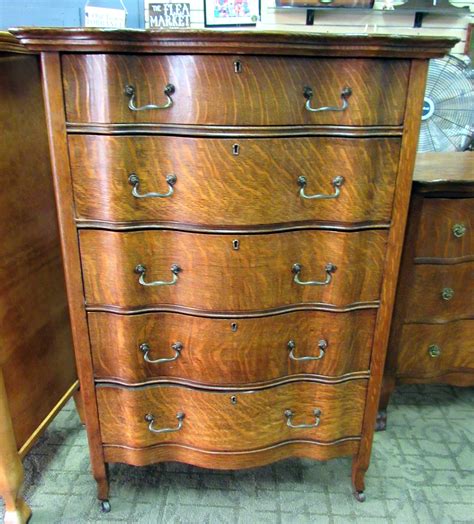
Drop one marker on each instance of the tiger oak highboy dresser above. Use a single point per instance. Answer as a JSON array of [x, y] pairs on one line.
[[232, 208]]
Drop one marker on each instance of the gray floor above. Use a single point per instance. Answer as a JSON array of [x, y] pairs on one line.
[[422, 471]]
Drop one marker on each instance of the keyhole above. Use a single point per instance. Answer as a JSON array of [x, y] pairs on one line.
[[234, 326], [233, 399], [236, 149], [237, 66], [236, 244]]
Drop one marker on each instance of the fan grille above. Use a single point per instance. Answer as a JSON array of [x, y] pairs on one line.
[[448, 112]]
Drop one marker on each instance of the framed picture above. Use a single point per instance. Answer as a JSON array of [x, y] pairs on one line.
[[225, 13]]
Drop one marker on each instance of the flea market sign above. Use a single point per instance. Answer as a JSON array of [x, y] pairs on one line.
[[173, 15]]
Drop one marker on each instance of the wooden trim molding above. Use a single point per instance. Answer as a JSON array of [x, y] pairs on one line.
[[232, 42]]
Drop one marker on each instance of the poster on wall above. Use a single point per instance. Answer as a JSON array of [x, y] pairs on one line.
[[169, 15], [96, 14], [220, 13]]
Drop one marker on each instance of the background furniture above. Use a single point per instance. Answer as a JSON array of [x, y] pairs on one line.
[[231, 248], [432, 336], [37, 371]]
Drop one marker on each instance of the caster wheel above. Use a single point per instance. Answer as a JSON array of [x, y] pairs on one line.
[[359, 496], [105, 506], [381, 422]]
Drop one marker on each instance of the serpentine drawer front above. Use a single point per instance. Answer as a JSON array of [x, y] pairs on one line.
[[232, 208], [328, 413], [161, 346], [432, 338], [135, 270], [225, 183], [234, 90]]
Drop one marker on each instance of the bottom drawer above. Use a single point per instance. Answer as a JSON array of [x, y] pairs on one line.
[[433, 350], [227, 421]]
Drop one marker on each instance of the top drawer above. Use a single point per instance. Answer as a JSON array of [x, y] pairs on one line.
[[232, 90]]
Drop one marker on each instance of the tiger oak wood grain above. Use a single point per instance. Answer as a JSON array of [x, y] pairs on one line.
[[425, 303], [210, 417], [443, 191], [268, 91], [435, 229], [254, 103], [218, 188], [455, 342], [56, 127], [228, 459], [215, 276], [226, 351]]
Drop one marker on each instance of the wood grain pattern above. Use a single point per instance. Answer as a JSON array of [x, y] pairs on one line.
[[425, 303], [436, 204], [230, 42], [268, 91], [34, 328], [436, 239], [210, 417], [54, 104], [455, 342], [217, 277], [228, 459], [215, 187], [416, 89], [216, 353]]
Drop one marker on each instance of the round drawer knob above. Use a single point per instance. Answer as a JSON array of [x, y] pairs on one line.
[[459, 230], [434, 351], [447, 293]]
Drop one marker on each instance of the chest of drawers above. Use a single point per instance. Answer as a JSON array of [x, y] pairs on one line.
[[232, 208], [432, 334]]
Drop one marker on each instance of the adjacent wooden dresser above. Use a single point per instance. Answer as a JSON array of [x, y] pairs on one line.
[[232, 209], [432, 336], [37, 371]]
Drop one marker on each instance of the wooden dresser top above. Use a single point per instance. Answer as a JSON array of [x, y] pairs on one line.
[[233, 42], [9, 44], [442, 169]]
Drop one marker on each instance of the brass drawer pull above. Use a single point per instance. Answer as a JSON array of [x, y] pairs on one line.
[[134, 181], [459, 230], [130, 92], [289, 415], [308, 94], [329, 269], [145, 349], [141, 270], [337, 183], [447, 293], [151, 419], [322, 345], [434, 351]]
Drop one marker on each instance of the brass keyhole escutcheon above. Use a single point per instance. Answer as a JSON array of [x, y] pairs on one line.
[[233, 399], [234, 326], [237, 66], [236, 150], [235, 244]]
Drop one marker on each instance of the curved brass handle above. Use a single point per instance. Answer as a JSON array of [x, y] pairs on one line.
[[308, 94], [130, 92], [329, 269], [459, 230], [289, 415], [434, 351], [447, 293], [322, 345], [145, 349], [337, 183], [151, 419], [134, 181], [141, 270]]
